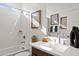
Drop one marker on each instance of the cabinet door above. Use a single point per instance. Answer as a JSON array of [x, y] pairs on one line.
[[37, 52]]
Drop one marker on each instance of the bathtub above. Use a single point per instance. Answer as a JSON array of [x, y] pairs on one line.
[[15, 51], [22, 53]]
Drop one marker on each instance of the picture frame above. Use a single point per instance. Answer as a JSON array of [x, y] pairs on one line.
[[63, 22], [54, 19]]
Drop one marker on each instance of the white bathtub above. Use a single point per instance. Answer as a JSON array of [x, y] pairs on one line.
[[14, 51]]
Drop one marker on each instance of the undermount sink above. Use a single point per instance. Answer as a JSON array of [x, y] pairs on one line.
[[56, 47]]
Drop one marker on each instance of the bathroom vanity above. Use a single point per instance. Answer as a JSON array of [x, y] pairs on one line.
[[45, 49]]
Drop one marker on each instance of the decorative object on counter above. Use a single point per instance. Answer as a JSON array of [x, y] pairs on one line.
[[34, 38], [74, 37], [45, 39], [54, 19], [36, 20], [63, 22]]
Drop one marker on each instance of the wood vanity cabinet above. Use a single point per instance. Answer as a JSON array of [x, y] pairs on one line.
[[37, 52]]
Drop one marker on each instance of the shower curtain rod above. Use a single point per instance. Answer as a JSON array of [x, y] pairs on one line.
[[13, 7]]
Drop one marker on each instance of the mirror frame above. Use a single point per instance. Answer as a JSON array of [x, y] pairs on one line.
[[39, 19]]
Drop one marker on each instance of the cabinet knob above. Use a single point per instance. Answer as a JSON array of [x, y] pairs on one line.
[[23, 42], [24, 36]]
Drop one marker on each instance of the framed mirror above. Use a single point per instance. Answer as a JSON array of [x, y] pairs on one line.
[[63, 22], [36, 19], [54, 19]]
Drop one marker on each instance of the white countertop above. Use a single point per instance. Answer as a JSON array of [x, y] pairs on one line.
[[56, 49]]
